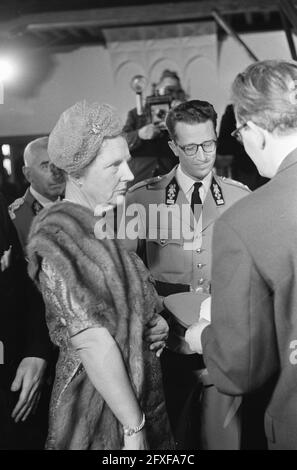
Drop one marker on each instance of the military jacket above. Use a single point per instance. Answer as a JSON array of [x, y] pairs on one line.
[[176, 247], [22, 211]]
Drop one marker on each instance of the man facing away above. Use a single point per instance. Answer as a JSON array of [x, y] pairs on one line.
[[252, 339]]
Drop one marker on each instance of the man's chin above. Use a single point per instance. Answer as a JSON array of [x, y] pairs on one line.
[[119, 199], [202, 174], [199, 171], [57, 190]]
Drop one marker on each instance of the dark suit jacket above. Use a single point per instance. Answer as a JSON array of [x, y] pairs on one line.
[[23, 330], [253, 335]]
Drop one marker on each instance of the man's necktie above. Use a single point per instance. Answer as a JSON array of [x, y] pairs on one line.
[[36, 206], [196, 200]]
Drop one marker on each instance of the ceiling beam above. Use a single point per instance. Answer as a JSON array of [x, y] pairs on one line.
[[94, 32], [288, 30], [289, 10], [229, 30], [249, 18], [137, 15]]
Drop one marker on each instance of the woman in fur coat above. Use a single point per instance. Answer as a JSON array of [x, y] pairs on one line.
[[99, 298]]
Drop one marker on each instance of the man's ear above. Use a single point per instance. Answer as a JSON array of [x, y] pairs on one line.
[[260, 134], [27, 173], [172, 146]]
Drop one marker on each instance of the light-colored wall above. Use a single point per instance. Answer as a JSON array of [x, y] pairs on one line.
[[103, 74]]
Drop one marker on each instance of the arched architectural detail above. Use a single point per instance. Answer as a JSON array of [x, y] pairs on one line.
[[201, 79], [161, 64]]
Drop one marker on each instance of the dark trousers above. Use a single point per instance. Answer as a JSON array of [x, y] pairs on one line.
[[28, 435], [182, 393], [200, 416]]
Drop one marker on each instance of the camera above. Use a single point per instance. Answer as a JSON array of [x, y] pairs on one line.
[[164, 96], [159, 105]]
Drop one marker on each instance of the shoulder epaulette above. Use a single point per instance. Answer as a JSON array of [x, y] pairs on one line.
[[149, 183], [15, 206], [235, 183]]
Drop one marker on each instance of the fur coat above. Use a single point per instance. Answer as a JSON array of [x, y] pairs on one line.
[[86, 283]]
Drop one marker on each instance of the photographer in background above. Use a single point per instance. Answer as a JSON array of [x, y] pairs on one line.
[[146, 134]]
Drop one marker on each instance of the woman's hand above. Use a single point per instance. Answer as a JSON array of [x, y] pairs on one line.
[[156, 334], [137, 441]]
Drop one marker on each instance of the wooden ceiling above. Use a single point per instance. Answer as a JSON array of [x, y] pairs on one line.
[[60, 23]]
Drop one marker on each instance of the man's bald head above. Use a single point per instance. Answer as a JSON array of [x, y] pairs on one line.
[[34, 149], [42, 175]]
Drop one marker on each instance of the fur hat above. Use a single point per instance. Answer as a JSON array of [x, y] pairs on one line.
[[78, 135]]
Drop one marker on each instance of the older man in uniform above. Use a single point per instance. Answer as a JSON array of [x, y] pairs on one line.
[[25, 346], [47, 184], [200, 416]]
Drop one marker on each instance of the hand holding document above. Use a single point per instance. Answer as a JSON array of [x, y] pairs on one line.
[[205, 309], [193, 334]]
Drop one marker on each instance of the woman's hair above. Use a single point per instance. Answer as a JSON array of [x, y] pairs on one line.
[[79, 133], [190, 112], [266, 93]]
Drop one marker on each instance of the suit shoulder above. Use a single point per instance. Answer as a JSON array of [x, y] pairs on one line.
[[233, 183], [240, 210], [15, 206], [148, 184]]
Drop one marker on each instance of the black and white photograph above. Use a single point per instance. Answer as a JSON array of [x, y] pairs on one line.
[[148, 228]]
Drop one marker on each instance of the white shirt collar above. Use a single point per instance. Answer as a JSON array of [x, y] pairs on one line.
[[44, 201], [186, 183]]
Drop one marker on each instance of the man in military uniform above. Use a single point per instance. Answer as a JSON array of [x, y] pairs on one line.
[[25, 347], [201, 417], [47, 184]]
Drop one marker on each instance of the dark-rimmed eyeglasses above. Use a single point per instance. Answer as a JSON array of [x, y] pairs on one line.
[[190, 150], [237, 132]]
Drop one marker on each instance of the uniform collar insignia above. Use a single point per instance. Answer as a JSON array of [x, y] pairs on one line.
[[216, 192], [36, 206], [172, 190]]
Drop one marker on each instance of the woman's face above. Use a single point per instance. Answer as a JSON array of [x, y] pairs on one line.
[[105, 179]]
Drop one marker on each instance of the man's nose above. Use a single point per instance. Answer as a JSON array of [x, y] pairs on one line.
[[127, 173], [200, 155], [57, 174]]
